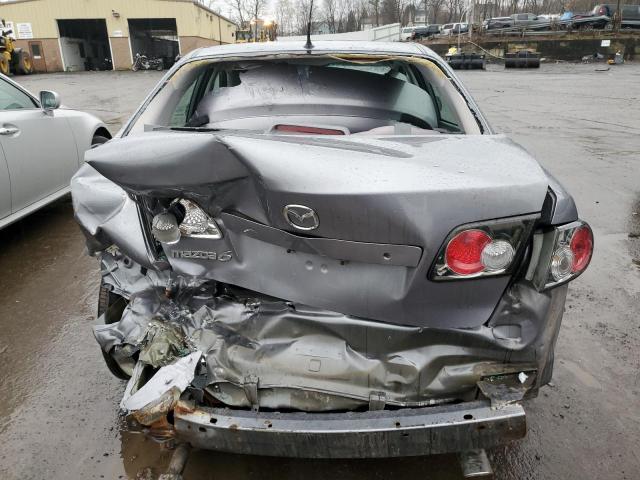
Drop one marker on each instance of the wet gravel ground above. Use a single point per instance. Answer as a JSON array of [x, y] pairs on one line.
[[58, 403]]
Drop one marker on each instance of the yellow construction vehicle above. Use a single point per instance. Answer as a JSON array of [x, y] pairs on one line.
[[12, 59]]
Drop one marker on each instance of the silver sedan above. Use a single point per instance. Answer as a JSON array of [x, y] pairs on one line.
[[41, 147]]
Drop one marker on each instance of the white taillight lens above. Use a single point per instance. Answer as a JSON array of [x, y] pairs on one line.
[[165, 228], [497, 255], [561, 263], [197, 223]]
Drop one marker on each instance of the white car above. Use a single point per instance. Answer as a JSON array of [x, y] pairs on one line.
[[454, 28], [406, 33], [41, 147]]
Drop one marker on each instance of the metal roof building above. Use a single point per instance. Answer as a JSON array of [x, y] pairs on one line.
[[72, 35]]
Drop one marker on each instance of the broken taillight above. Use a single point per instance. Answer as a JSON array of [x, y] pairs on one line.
[[478, 250], [184, 218], [565, 253]]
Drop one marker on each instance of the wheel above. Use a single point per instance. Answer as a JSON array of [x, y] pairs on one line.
[[98, 140], [25, 66], [4, 64], [113, 305], [134, 67]]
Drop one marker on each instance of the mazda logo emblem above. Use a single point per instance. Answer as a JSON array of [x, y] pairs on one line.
[[301, 217]]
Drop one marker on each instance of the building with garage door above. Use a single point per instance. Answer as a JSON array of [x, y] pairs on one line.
[[74, 35]]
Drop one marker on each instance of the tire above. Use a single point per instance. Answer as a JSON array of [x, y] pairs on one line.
[[98, 140], [113, 305], [25, 66], [5, 66]]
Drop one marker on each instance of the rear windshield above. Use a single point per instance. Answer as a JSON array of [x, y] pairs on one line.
[[321, 95]]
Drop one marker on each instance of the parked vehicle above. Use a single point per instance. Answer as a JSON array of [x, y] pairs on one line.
[[497, 23], [585, 21], [339, 233], [141, 62], [520, 20], [12, 59], [426, 31], [41, 147], [629, 14], [454, 28], [407, 33]]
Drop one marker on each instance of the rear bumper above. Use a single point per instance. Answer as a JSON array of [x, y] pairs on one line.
[[385, 433]]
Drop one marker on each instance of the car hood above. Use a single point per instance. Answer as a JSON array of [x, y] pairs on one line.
[[384, 207]]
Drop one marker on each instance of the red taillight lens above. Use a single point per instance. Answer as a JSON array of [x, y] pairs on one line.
[[582, 248], [464, 252]]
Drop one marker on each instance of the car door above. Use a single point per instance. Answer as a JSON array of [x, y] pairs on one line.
[[5, 188], [39, 147]]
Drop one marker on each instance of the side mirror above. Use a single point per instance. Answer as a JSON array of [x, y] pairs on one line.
[[49, 100]]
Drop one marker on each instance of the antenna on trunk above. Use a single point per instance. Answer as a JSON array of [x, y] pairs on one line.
[[309, 45]]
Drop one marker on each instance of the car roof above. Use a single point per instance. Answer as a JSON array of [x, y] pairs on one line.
[[319, 47]]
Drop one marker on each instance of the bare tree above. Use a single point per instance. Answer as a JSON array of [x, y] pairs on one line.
[[285, 17], [301, 17], [256, 9], [240, 10], [376, 10]]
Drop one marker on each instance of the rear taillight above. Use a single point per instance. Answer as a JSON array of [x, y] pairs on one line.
[[464, 252], [480, 250], [582, 247], [565, 253], [184, 218]]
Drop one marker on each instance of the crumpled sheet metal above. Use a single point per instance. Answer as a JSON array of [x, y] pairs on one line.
[[505, 390], [107, 214], [147, 402], [268, 353], [175, 377]]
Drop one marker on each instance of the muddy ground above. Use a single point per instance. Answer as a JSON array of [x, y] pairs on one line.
[[58, 403]]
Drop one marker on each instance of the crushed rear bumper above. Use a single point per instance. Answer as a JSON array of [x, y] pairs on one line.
[[384, 433]]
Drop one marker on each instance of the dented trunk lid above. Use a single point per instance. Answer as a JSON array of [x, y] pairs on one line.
[[384, 206]]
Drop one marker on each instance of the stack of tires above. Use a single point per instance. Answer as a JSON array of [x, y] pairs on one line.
[[522, 59], [466, 61]]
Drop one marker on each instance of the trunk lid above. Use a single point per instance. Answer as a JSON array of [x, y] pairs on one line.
[[369, 195]]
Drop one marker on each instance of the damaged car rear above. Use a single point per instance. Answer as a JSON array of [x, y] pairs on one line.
[[325, 252]]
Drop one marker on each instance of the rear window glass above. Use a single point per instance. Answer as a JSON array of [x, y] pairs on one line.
[[346, 96]]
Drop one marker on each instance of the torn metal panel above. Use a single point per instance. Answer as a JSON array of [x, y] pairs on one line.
[[151, 395], [262, 352], [505, 390], [107, 215]]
